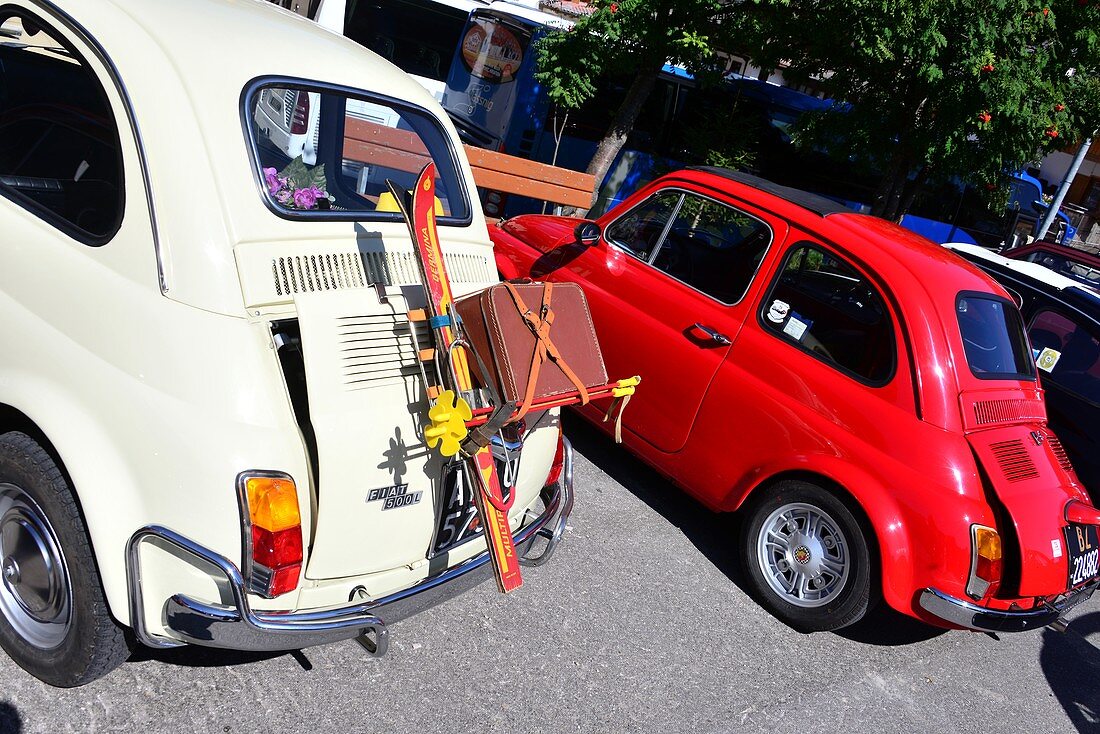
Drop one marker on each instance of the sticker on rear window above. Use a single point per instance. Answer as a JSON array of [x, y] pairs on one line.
[[796, 327], [1047, 359], [778, 311]]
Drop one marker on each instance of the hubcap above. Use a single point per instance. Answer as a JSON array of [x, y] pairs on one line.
[[803, 555], [35, 594]]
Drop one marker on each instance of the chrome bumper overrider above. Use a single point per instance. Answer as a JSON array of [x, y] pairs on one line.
[[972, 616], [239, 627]]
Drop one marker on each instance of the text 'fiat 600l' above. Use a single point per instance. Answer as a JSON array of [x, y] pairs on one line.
[[866, 399], [211, 396]]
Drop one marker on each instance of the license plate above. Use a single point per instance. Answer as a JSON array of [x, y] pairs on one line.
[[458, 520], [1083, 552]]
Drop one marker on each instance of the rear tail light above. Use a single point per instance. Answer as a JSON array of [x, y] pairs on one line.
[[986, 561], [559, 460], [272, 531], [299, 120], [493, 203]]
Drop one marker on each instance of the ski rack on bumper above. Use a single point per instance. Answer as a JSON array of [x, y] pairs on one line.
[[239, 627], [971, 616]]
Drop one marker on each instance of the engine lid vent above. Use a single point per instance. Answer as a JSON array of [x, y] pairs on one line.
[[1005, 411], [274, 273], [313, 273], [337, 270], [1015, 461], [375, 348], [1060, 454], [985, 409]]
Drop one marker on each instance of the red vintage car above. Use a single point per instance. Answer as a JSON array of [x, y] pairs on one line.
[[865, 398]]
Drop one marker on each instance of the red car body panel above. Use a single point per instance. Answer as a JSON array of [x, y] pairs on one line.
[[919, 453]]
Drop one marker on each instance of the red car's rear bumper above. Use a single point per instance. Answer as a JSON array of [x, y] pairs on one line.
[[971, 616]]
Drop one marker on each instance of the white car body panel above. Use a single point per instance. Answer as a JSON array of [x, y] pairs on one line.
[[148, 362]]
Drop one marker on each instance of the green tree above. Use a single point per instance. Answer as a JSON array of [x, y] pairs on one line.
[[935, 89], [633, 38]]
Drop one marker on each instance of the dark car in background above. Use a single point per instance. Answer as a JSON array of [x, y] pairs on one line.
[[1062, 315], [1084, 267]]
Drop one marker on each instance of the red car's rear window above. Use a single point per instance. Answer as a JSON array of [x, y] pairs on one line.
[[993, 338]]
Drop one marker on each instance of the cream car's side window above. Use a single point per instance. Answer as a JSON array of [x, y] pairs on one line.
[[60, 153]]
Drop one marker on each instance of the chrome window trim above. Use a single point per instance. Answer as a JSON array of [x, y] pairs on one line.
[[668, 226], [253, 87], [100, 53]]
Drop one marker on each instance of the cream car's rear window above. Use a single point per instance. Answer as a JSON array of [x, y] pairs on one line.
[[323, 152]]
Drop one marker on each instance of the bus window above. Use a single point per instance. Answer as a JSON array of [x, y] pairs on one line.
[[418, 37]]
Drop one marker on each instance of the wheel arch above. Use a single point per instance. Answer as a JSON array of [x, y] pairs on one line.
[[93, 468], [872, 505]]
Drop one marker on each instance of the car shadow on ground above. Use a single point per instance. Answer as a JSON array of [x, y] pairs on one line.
[[1071, 664], [194, 656], [10, 720], [715, 534]]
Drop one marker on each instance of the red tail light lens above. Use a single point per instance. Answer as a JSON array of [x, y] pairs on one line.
[[273, 558], [986, 561], [559, 460], [299, 120]]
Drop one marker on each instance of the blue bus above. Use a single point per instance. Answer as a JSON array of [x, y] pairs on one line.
[[478, 58]]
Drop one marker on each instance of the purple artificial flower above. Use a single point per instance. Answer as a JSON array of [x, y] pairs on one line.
[[274, 183], [307, 198]]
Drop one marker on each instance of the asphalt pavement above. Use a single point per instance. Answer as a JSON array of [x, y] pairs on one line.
[[639, 624]]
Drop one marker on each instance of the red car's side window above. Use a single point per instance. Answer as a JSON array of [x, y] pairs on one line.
[[705, 244], [640, 231], [825, 306]]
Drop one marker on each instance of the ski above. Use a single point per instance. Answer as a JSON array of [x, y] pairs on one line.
[[418, 209]]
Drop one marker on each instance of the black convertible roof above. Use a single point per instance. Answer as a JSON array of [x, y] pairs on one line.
[[813, 202]]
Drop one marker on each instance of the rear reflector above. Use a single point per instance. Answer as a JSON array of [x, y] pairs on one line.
[[299, 121], [559, 460], [273, 531]]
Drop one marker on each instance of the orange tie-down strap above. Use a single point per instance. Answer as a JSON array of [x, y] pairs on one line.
[[539, 324]]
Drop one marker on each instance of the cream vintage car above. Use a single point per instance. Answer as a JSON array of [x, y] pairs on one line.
[[211, 407]]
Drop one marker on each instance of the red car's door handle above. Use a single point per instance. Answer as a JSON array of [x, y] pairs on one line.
[[715, 336]]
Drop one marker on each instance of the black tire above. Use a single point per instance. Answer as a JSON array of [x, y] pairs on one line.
[[58, 629], [785, 556]]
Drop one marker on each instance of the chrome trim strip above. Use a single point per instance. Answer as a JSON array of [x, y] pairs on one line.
[[76, 28], [239, 627], [971, 616]]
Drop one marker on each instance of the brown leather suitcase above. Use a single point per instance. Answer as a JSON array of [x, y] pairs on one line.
[[506, 342]]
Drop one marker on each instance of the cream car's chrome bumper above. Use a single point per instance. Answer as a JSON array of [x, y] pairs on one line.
[[239, 627]]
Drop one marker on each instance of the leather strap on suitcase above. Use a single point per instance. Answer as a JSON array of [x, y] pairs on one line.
[[540, 324], [537, 340]]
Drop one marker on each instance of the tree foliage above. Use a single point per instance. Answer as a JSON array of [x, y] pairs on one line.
[[939, 89], [629, 37]]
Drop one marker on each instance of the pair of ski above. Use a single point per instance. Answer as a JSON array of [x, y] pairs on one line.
[[453, 370]]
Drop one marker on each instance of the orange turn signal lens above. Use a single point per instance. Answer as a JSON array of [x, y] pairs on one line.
[[273, 503], [273, 558], [986, 561], [987, 544]]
